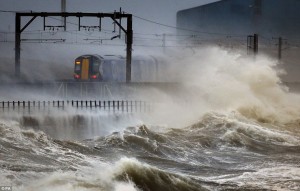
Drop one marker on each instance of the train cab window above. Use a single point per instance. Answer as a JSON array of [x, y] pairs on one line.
[[95, 67], [77, 67]]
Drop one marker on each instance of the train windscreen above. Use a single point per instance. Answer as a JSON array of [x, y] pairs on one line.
[[77, 67]]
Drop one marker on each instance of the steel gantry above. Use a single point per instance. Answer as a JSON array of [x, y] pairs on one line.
[[114, 16]]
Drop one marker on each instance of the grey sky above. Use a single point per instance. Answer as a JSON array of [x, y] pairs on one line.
[[163, 11]]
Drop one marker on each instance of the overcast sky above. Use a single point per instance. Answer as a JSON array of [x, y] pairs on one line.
[[163, 11], [160, 11]]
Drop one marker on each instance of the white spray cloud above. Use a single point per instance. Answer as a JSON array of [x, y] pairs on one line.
[[218, 80]]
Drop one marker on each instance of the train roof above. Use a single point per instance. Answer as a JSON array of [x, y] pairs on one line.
[[113, 57], [91, 55], [119, 57]]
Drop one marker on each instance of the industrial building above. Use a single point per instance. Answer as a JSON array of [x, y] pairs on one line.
[[229, 22], [269, 18]]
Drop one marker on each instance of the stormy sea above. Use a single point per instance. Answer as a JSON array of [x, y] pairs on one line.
[[235, 126]]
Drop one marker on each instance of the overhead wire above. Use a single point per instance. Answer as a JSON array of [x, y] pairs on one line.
[[185, 29], [195, 33]]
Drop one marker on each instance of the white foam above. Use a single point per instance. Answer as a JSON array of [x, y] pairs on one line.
[[279, 178]]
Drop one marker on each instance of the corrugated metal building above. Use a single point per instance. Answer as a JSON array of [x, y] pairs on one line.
[[270, 18], [230, 21]]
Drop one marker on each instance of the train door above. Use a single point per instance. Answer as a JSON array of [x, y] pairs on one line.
[[85, 69]]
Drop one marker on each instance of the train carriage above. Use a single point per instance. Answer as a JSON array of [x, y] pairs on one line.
[[112, 68]]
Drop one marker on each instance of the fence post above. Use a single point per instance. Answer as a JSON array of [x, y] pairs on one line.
[[140, 106]]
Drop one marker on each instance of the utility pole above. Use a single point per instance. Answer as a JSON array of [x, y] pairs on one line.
[[17, 46], [255, 48], [279, 48], [129, 48], [63, 6], [164, 42], [63, 10], [252, 43]]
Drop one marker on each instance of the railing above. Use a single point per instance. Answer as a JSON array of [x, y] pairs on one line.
[[121, 106]]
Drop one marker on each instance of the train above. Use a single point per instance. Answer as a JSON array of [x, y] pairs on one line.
[[112, 68]]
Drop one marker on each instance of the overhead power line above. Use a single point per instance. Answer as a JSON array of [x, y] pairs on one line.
[[154, 22], [186, 29], [3, 11]]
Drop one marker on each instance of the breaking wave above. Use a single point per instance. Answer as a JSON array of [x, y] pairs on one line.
[[230, 82]]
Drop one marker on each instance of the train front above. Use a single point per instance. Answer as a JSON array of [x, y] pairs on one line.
[[87, 68]]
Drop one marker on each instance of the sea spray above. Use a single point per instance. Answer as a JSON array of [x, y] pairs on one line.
[[226, 81]]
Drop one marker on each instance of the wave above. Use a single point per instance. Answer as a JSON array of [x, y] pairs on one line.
[[30, 150], [144, 157], [229, 82], [34, 161], [235, 130], [213, 131], [146, 177], [72, 125], [126, 174], [280, 178]]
